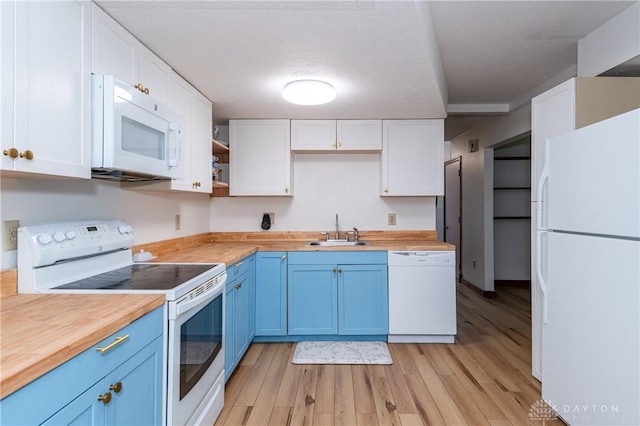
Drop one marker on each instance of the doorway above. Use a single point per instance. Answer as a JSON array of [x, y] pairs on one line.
[[453, 209]]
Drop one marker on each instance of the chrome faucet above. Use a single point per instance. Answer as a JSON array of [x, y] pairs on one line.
[[337, 226], [355, 234]]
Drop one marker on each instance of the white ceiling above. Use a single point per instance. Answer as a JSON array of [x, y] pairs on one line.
[[377, 54]]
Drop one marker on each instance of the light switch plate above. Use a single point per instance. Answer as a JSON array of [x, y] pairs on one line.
[[392, 218]]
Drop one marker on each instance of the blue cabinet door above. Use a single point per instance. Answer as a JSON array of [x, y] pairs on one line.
[[136, 388], [251, 289], [228, 331], [363, 299], [313, 299], [271, 294], [240, 316], [85, 410]]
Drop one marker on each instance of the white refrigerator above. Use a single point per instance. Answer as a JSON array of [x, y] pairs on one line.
[[588, 267]]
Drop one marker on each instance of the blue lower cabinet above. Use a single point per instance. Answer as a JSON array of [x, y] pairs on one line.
[[239, 315], [349, 298], [121, 386], [363, 306], [271, 294], [313, 299], [85, 410]]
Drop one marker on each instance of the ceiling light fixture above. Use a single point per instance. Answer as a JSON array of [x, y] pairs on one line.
[[308, 92]]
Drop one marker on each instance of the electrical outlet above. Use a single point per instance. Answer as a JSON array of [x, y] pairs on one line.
[[272, 217], [392, 218], [10, 235], [177, 222]]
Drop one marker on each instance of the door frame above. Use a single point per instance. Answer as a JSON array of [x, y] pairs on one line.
[[459, 246]]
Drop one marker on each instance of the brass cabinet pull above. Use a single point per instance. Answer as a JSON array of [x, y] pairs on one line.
[[141, 88], [339, 271], [116, 342], [28, 154], [284, 257], [386, 190], [334, 270], [11, 152], [237, 265], [339, 144], [237, 286], [105, 398], [333, 144], [286, 190], [116, 387]]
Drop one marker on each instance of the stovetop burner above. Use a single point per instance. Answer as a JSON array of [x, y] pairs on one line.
[[143, 276]]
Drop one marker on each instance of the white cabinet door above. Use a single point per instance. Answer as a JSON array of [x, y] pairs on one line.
[[195, 110], [412, 157], [336, 135], [553, 113], [201, 136], [153, 73], [116, 52], [114, 48], [359, 135], [313, 135], [259, 157], [50, 101]]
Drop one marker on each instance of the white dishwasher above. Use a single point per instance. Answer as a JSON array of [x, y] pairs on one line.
[[422, 296]]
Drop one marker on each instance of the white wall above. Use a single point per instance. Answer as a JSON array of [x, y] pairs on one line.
[[611, 44], [326, 184], [152, 215], [477, 192]]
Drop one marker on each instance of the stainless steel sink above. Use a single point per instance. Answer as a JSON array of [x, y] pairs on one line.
[[336, 243]]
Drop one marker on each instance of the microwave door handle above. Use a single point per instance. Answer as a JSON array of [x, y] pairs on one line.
[[175, 144]]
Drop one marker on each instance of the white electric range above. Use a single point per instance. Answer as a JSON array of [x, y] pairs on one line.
[[95, 257]]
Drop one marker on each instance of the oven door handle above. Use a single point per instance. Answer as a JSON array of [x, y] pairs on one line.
[[188, 304]]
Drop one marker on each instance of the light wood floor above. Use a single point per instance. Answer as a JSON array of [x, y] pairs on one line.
[[484, 378]]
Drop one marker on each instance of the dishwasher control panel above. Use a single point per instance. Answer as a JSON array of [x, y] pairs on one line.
[[421, 258]]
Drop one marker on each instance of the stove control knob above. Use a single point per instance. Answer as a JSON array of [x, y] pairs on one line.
[[59, 237], [44, 239], [70, 235], [122, 229]]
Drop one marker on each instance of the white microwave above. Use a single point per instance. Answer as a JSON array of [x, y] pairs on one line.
[[134, 137]]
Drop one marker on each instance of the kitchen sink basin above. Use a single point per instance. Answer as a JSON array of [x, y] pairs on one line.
[[336, 243]]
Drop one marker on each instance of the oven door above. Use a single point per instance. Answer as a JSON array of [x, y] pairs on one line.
[[195, 388]]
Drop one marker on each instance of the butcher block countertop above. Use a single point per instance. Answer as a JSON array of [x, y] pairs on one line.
[[40, 332], [231, 247]]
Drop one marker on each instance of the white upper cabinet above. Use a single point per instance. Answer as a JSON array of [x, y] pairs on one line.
[[46, 88], [153, 73], [259, 157], [412, 158], [201, 136], [336, 135], [116, 52]]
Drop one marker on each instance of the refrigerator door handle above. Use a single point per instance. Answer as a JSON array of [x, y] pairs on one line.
[[544, 177], [541, 280]]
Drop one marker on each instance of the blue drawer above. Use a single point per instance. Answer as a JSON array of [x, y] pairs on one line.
[[236, 269], [337, 258]]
